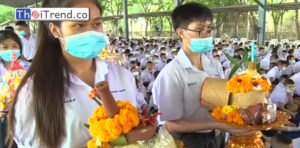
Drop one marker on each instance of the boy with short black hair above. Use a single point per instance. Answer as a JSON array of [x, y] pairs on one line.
[[177, 89]]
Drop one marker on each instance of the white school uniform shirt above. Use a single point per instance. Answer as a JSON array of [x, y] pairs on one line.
[[265, 63], [283, 58], [170, 55], [78, 106], [154, 52], [279, 95], [274, 73], [144, 62], [146, 76], [29, 46], [297, 54], [296, 67], [176, 90], [3, 70], [296, 79], [160, 65], [289, 70]]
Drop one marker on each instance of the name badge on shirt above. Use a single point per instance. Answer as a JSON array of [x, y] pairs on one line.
[[192, 84], [69, 100], [118, 91]]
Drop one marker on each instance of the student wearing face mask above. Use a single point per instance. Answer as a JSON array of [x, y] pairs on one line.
[[155, 61], [176, 90], [51, 106], [291, 65], [283, 55], [145, 59], [282, 96], [10, 44], [162, 62], [28, 40], [276, 71], [297, 52]]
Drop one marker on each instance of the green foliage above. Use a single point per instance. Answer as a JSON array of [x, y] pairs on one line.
[[6, 13]]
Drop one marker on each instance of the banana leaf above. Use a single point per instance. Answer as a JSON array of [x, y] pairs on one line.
[[245, 57], [234, 69], [231, 59], [258, 67]]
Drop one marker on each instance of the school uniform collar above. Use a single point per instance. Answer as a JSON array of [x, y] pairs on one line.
[[101, 72], [185, 62]]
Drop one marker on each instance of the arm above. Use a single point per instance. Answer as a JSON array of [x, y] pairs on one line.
[[185, 126], [281, 107]]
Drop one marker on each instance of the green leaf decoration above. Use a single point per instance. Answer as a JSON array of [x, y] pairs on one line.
[[87, 125], [245, 57], [234, 69], [258, 67], [231, 59]]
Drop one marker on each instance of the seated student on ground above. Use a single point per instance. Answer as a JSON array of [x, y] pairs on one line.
[[282, 96]]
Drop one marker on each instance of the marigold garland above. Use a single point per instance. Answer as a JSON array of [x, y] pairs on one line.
[[228, 113], [109, 129], [245, 83]]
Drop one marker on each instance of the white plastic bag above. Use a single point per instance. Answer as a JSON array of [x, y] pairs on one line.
[[162, 139]]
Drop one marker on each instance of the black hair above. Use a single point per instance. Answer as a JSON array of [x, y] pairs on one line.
[[162, 54], [289, 57], [169, 60], [127, 51], [9, 28], [149, 62], [156, 74], [291, 51], [185, 14], [49, 83], [282, 63], [288, 82], [21, 23], [6, 34], [284, 77]]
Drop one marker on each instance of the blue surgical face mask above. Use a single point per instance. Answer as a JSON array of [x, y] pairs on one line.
[[157, 61], [289, 91], [22, 33], [86, 45], [293, 61], [201, 45], [6, 55]]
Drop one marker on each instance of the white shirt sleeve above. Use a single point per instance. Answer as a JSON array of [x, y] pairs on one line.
[[25, 127], [271, 73], [279, 95], [167, 94]]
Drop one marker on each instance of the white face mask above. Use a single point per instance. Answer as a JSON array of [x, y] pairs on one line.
[[283, 68], [135, 73]]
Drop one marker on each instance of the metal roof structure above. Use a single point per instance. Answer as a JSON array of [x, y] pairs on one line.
[[224, 9]]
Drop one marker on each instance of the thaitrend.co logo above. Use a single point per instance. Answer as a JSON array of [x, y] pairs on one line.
[[52, 14]]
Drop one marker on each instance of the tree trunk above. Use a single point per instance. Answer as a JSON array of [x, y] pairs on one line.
[[281, 24], [146, 29], [171, 27], [219, 23], [235, 25], [297, 23], [248, 27], [276, 30], [161, 26]]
